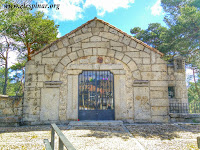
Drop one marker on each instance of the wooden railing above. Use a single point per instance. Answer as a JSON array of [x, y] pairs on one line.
[[63, 141]]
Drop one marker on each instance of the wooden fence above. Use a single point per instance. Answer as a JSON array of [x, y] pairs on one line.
[[63, 141]]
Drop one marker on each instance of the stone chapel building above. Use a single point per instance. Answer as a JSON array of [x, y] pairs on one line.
[[98, 72]]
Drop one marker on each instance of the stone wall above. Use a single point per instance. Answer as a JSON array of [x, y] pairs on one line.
[[177, 79], [184, 117], [10, 110], [140, 76]]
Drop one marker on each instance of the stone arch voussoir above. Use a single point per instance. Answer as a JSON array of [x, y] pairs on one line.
[[65, 60]]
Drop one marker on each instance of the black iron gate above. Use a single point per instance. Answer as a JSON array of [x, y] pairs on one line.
[[96, 95]]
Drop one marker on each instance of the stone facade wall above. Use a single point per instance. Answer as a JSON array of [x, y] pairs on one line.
[[10, 110], [177, 79], [140, 76]]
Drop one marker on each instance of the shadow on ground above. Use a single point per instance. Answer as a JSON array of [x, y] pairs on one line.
[[102, 131], [30, 128], [163, 132]]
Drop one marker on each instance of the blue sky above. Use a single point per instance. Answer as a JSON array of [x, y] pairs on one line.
[[123, 14]]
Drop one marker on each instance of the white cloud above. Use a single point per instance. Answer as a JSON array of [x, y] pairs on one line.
[[59, 34], [104, 6], [12, 54], [12, 58], [156, 9], [68, 10], [73, 9], [45, 10]]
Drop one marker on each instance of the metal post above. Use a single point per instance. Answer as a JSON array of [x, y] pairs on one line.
[[52, 138], [60, 144]]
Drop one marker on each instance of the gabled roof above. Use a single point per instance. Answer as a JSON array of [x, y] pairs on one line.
[[111, 26]]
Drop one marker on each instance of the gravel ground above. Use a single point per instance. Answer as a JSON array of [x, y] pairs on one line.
[[102, 137], [23, 138], [166, 137], [153, 137]]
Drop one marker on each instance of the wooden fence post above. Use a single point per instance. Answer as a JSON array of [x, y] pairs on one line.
[[198, 142], [60, 145], [52, 138], [63, 141]]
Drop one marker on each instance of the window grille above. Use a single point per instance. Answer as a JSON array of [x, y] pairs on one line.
[[171, 92]]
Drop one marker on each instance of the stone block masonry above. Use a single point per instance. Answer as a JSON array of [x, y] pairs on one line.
[[10, 110], [141, 76]]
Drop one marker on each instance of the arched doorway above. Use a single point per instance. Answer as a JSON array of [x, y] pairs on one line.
[[96, 95]]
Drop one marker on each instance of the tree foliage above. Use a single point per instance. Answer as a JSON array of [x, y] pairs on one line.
[[18, 71], [13, 86], [183, 20], [29, 32], [155, 35], [182, 37], [6, 46], [34, 30], [192, 94]]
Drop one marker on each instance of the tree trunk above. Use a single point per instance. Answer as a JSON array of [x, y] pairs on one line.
[[29, 52], [28, 46], [6, 75], [195, 83], [22, 80]]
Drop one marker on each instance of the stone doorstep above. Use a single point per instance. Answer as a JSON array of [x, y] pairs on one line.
[[96, 123]]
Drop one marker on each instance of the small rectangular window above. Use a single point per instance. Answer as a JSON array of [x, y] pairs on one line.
[[179, 64], [171, 92]]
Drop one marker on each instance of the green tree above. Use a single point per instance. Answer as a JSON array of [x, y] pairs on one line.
[[31, 31], [156, 36], [183, 18], [172, 9], [181, 37], [6, 46], [10, 87], [34, 30], [192, 94], [18, 78], [2, 73], [4, 49]]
